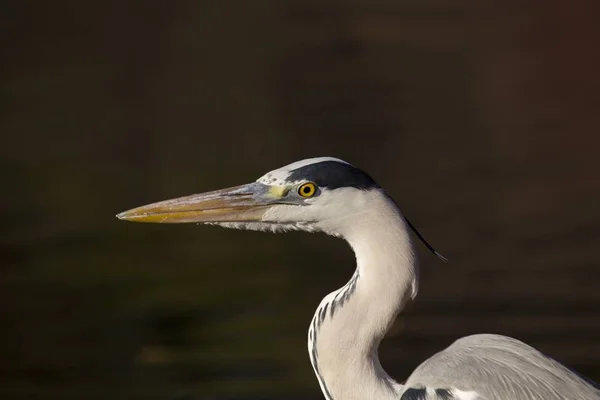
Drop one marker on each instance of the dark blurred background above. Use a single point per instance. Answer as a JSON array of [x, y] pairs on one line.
[[480, 118]]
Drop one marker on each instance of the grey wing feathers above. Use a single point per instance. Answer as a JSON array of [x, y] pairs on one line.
[[501, 368]]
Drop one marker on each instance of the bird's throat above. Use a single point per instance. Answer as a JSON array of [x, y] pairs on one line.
[[350, 322]]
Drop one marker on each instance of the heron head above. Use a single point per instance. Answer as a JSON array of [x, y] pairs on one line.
[[318, 194]]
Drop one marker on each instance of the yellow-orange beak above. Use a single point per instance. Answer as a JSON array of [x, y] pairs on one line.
[[244, 203]]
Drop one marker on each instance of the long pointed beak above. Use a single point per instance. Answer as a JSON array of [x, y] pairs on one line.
[[244, 203]]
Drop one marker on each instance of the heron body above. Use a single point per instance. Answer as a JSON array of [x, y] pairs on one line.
[[331, 196]]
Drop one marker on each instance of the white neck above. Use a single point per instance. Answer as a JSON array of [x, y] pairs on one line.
[[349, 323]]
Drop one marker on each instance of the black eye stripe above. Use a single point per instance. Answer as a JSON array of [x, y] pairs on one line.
[[332, 175]]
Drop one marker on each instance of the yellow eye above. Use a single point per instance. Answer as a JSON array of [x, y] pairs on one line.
[[307, 189]]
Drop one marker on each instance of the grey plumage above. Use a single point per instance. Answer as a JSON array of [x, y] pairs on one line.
[[444, 394], [501, 368]]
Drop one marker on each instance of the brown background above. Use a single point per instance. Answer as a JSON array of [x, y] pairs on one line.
[[480, 118]]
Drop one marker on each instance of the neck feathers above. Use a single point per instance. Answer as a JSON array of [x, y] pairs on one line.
[[351, 321]]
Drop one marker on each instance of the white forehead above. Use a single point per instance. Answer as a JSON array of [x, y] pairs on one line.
[[279, 176]]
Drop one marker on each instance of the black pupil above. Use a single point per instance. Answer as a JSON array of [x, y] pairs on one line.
[[306, 189]]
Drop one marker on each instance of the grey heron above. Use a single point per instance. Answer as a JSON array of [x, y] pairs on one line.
[[332, 196]]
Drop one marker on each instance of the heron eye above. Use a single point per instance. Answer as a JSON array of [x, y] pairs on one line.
[[307, 189]]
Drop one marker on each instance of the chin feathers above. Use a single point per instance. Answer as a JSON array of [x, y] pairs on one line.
[[266, 226]]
